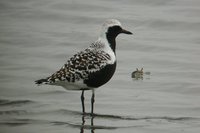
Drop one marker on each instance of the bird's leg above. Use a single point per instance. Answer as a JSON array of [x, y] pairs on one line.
[[83, 124], [92, 124], [82, 101], [92, 102]]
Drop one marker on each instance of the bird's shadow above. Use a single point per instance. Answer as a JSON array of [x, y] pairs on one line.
[[83, 126], [91, 117]]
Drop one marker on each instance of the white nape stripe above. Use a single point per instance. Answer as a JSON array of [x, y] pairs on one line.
[[107, 49]]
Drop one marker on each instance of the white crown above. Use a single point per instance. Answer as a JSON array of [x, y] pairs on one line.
[[109, 23]]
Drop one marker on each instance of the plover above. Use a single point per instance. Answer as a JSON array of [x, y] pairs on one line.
[[92, 67]]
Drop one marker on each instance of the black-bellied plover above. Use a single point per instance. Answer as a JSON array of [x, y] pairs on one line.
[[92, 67]]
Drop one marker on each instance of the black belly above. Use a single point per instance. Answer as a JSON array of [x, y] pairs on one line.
[[101, 77]]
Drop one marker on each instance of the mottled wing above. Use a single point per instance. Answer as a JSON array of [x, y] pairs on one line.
[[80, 66]]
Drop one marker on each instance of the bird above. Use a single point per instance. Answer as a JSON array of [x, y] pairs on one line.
[[92, 67]]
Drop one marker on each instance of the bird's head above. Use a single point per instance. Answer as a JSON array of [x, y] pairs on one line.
[[112, 27]]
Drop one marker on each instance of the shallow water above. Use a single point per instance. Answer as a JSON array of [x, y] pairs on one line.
[[37, 37]]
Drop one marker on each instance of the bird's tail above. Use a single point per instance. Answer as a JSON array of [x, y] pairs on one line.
[[41, 81]]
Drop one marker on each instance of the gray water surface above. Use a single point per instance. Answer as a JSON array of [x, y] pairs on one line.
[[37, 37]]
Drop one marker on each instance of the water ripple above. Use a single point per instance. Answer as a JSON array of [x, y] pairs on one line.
[[13, 112], [168, 118], [4, 102]]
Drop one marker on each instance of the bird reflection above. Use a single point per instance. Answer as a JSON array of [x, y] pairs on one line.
[[91, 126]]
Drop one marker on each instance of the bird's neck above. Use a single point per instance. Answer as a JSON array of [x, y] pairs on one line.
[[111, 41], [108, 40], [104, 44]]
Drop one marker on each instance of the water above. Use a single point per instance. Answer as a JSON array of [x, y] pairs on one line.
[[37, 37]]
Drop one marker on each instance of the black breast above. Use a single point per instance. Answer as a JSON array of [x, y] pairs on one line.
[[101, 77]]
